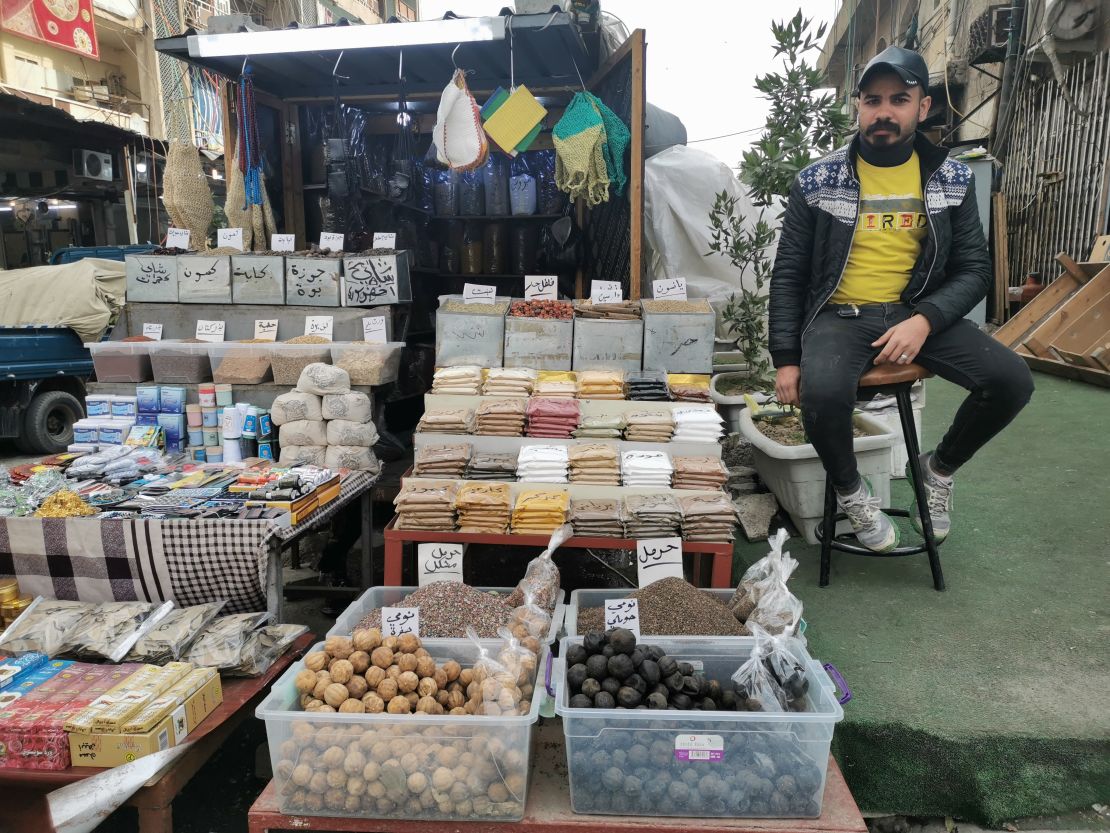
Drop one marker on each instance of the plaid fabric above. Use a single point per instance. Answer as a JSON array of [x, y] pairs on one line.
[[187, 562]]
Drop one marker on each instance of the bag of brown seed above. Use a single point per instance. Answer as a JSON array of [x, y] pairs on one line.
[[44, 626], [753, 582], [222, 643], [541, 582], [170, 639]]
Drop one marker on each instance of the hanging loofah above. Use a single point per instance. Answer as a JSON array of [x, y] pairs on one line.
[[580, 168], [617, 139], [187, 197]]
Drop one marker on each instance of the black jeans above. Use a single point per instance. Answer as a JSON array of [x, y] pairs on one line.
[[837, 350]]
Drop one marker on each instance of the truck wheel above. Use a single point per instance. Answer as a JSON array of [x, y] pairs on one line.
[[48, 423]]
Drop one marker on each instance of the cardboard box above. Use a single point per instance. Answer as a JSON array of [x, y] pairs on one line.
[[109, 750]]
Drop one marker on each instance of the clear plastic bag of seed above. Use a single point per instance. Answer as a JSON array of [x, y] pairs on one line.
[[530, 622], [517, 657], [784, 658], [541, 578], [755, 688], [752, 583], [44, 626], [777, 610]]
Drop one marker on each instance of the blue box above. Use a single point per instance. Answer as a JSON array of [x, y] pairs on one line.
[[12, 669], [266, 450], [173, 425], [147, 419], [125, 407], [150, 398], [265, 425], [172, 400]]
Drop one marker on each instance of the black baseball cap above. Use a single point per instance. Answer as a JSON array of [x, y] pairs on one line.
[[907, 64]]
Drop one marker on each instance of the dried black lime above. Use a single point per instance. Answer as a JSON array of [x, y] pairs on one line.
[[620, 666], [576, 675], [591, 687], [681, 701], [581, 701], [605, 700], [674, 682], [667, 666], [656, 701], [594, 641], [597, 667], [611, 685], [637, 682], [576, 654], [628, 698], [649, 670], [622, 640], [638, 657]]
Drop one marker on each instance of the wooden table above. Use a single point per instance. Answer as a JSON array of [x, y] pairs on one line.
[[24, 790], [548, 809], [395, 539]]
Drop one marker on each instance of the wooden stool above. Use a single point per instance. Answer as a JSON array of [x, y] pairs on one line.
[[895, 380]]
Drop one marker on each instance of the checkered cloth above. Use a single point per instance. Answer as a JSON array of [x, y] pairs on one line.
[[185, 561]]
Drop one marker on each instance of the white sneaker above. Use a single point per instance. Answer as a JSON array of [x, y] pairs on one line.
[[873, 527], [938, 497]]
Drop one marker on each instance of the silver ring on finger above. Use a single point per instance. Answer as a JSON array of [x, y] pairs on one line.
[[904, 358]]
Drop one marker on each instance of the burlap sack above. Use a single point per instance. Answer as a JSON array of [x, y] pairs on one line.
[[347, 432], [354, 407], [323, 378], [302, 455], [351, 457], [293, 406]]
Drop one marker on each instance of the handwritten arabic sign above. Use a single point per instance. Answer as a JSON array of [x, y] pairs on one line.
[[373, 329], [283, 242], [177, 238], [368, 281], [382, 240], [153, 331], [658, 558], [230, 237], [312, 280], [606, 292], [266, 328], [669, 288], [331, 240], [541, 288], [318, 325], [623, 613], [440, 562], [153, 271], [204, 279], [477, 293], [397, 621], [210, 330]]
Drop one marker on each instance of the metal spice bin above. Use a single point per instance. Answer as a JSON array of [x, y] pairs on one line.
[[679, 342], [313, 281], [470, 337], [539, 343], [372, 280], [601, 344], [203, 279], [758, 764], [501, 744], [258, 279], [151, 278]]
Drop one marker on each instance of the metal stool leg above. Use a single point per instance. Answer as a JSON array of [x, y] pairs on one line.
[[913, 450], [828, 530]]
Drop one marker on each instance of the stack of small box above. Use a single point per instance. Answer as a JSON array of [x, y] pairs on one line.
[[163, 406]]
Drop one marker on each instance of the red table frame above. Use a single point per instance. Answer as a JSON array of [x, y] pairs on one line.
[[548, 809], [24, 790], [395, 540]]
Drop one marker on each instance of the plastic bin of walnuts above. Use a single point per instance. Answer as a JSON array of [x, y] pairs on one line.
[[400, 728]]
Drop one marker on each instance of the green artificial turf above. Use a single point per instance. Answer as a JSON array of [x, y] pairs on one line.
[[988, 701]]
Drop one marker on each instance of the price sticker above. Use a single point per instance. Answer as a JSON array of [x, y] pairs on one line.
[[210, 330], [397, 621], [318, 325], [658, 558], [673, 289], [541, 288], [373, 329], [331, 240], [709, 748], [153, 331], [384, 240], [177, 238], [230, 237], [266, 328], [477, 293], [440, 562], [606, 292], [623, 613], [283, 242]]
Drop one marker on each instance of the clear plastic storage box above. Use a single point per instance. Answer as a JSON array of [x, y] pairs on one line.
[[369, 363], [121, 361], [179, 362], [700, 764], [288, 360], [481, 762], [377, 597], [239, 364], [589, 597]]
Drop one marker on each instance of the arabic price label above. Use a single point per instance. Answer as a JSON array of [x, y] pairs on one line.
[[153, 331], [319, 325], [283, 242], [673, 289], [266, 328], [230, 237], [210, 330], [440, 562], [541, 288], [606, 292], [177, 238], [373, 329], [623, 613], [397, 621], [477, 293], [331, 240], [384, 240], [658, 558]]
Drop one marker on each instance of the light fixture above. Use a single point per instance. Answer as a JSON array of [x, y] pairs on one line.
[[140, 167], [338, 38], [5, 208], [216, 174]]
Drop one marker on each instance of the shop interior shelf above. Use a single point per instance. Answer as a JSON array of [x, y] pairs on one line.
[[498, 218]]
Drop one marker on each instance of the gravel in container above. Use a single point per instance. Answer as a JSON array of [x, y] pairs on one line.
[[677, 306], [447, 607], [288, 364], [670, 607], [241, 370]]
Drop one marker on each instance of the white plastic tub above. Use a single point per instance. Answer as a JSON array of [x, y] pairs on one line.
[[747, 764], [377, 597], [494, 782]]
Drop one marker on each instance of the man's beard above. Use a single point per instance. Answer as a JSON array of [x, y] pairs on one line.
[[894, 138]]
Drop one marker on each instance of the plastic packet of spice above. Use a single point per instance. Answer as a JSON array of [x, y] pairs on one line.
[[109, 630], [754, 684], [263, 647], [541, 582], [44, 627], [777, 610], [222, 644], [170, 639]]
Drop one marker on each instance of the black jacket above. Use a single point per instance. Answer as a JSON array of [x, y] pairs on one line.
[[951, 276]]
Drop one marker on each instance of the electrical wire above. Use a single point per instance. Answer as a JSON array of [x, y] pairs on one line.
[[724, 135]]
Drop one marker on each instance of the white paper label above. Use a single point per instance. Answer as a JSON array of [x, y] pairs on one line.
[[623, 613], [400, 620], [331, 240], [658, 558], [177, 238], [373, 329], [153, 331], [477, 293], [369, 281], [440, 562], [699, 748], [210, 330], [541, 288], [385, 240], [230, 237], [670, 288], [318, 325], [606, 292], [283, 242], [266, 328], [180, 725]]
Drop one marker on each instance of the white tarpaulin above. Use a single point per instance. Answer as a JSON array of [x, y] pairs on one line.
[[82, 296]]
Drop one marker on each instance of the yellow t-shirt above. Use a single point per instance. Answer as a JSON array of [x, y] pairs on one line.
[[888, 236]]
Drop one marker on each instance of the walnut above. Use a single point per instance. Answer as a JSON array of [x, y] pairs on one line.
[[442, 697], [427, 687], [360, 661], [448, 756], [340, 647], [335, 694], [399, 705], [407, 682], [442, 779], [421, 652], [333, 756], [408, 643], [428, 705], [357, 687], [440, 676], [335, 799], [392, 643], [407, 662], [336, 778], [341, 670], [316, 661], [412, 697], [352, 804], [314, 803], [301, 775], [352, 706], [387, 690], [418, 782], [497, 793], [453, 670], [305, 681], [506, 700], [455, 699], [321, 686], [373, 703], [318, 783], [366, 639], [382, 657], [326, 708], [303, 732], [374, 675], [465, 676]]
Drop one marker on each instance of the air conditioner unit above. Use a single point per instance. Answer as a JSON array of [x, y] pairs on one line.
[[90, 164]]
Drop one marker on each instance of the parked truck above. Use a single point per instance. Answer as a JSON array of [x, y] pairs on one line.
[[43, 371]]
